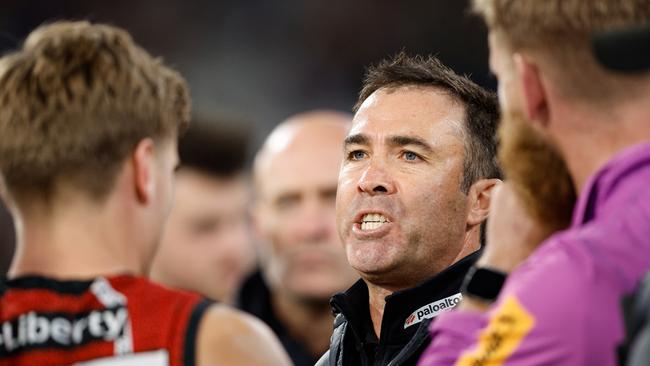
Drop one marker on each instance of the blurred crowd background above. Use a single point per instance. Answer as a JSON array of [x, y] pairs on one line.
[[261, 61]]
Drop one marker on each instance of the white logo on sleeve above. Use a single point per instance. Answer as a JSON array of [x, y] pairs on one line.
[[46, 330], [433, 309], [152, 358]]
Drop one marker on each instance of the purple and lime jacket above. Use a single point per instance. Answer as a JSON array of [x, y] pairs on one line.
[[562, 306]]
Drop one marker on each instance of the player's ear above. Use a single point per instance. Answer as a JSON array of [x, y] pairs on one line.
[[480, 196], [534, 99], [143, 161]]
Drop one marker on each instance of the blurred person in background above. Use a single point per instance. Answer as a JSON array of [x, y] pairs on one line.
[[567, 122], [302, 262], [206, 245], [88, 130], [414, 190]]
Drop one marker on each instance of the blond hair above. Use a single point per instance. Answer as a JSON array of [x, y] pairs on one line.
[[75, 100], [560, 32]]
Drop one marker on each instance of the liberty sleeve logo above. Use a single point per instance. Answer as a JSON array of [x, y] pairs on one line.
[[433, 309], [61, 330], [110, 298], [507, 329], [106, 294]]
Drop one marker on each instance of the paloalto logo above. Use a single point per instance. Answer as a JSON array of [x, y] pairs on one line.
[[433, 309]]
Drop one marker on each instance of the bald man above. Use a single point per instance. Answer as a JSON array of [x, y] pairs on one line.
[[302, 261]]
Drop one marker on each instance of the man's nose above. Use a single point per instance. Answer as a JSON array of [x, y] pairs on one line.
[[317, 221], [237, 236], [376, 180]]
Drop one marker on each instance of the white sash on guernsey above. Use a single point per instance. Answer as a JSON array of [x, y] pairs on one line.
[[153, 358]]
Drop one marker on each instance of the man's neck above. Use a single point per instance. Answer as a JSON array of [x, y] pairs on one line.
[[75, 241], [377, 303], [377, 292], [308, 321], [587, 150]]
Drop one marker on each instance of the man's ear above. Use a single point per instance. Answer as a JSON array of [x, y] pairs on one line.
[[533, 91], [480, 196], [143, 160]]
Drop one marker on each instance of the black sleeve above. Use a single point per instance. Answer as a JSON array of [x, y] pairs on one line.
[[189, 353], [3, 286]]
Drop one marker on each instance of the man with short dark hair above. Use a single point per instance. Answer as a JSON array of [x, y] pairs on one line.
[[567, 122], [206, 245], [414, 188]]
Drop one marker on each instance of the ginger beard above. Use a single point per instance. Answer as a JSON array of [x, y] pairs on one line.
[[537, 171]]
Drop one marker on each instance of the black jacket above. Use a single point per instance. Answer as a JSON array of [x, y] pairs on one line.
[[404, 327], [637, 315], [255, 298]]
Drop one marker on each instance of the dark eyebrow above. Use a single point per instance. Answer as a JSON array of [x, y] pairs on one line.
[[410, 140], [358, 139]]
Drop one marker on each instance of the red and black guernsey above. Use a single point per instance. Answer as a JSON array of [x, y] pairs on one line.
[[119, 320]]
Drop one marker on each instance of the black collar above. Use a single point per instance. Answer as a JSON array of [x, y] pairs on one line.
[[400, 305], [30, 282]]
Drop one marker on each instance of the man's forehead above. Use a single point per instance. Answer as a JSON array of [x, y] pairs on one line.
[[294, 150], [304, 184], [310, 128], [311, 151], [301, 166], [407, 111]]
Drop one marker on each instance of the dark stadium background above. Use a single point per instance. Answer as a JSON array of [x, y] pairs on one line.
[[263, 60]]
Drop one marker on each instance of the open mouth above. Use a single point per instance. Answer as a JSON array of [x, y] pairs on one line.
[[372, 221]]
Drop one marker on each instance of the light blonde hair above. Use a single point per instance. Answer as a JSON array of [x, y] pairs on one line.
[[560, 31], [74, 101]]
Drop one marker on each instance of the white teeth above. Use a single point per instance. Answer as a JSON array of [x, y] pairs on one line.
[[370, 225], [374, 218], [372, 221]]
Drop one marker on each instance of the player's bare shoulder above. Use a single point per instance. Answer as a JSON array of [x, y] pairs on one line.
[[230, 337]]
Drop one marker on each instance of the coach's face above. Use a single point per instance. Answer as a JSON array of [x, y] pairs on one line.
[[400, 211]]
